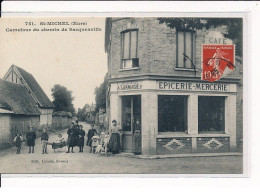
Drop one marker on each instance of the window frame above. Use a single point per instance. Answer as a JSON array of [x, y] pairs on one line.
[[224, 117], [193, 42], [122, 59], [132, 115], [186, 131]]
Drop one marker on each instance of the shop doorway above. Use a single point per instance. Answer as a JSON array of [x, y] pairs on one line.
[[131, 123]]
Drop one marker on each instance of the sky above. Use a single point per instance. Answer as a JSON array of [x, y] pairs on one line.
[[76, 60]]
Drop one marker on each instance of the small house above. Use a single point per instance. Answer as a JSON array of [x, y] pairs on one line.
[[23, 103]]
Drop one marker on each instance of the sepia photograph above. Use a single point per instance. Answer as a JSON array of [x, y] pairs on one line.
[[122, 95]]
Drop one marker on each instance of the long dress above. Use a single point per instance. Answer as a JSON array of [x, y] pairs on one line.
[[114, 143], [72, 137], [137, 141], [81, 137]]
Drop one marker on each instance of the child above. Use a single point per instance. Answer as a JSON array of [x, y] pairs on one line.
[[60, 142], [44, 140], [81, 135], [95, 142], [18, 142], [31, 136], [104, 142], [60, 139]]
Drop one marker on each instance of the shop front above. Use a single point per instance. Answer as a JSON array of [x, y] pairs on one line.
[[175, 116]]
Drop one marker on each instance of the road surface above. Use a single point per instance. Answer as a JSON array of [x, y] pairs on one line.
[[86, 162]]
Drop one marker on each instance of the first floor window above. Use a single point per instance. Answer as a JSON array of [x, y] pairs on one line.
[[211, 114], [185, 49], [129, 45], [172, 113]]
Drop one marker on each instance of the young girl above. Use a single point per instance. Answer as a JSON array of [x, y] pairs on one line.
[[95, 142], [60, 142], [60, 139], [18, 142]]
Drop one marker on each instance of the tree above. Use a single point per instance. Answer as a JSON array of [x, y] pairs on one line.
[[100, 94], [62, 99], [234, 27], [82, 112]]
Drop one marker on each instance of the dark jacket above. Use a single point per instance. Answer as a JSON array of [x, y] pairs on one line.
[[90, 134], [72, 136], [81, 135], [30, 137], [45, 136], [18, 141]]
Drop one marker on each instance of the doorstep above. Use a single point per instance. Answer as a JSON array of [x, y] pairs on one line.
[[131, 155]]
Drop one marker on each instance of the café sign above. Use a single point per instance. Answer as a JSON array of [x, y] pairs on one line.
[[129, 86], [191, 86]]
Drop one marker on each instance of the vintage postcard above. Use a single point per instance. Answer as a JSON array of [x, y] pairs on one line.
[[122, 95]]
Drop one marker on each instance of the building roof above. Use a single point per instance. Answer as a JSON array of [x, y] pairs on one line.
[[16, 98], [36, 89], [62, 113]]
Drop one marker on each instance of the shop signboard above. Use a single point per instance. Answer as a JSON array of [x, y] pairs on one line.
[[191, 86], [125, 86]]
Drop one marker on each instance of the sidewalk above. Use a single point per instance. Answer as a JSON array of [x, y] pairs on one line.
[[191, 155]]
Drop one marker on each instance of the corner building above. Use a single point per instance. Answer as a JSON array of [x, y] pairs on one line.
[[152, 81]]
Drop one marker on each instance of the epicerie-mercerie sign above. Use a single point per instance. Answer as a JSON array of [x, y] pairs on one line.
[[190, 86], [129, 86]]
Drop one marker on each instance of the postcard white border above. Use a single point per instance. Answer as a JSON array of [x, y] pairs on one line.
[[149, 9]]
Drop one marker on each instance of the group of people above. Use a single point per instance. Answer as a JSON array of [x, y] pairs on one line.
[[30, 140], [76, 137]]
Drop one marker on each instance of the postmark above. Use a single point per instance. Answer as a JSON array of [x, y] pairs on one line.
[[217, 61]]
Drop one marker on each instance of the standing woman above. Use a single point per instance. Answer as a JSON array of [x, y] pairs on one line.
[[72, 138], [81, 135], [137, 137], [114, 143], [31, 136]]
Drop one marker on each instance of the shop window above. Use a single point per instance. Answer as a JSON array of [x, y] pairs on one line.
[[185, 49], [172, 113], [129, 44], [211, 114]]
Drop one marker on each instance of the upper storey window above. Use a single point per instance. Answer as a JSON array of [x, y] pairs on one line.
[[185, 49], [129, 44]]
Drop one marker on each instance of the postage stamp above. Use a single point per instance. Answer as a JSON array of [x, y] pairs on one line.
[[217, 61]]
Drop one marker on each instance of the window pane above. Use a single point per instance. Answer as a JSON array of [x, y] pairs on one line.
[[133, 44], [211, 114], [127, 63], [188, 49], [172, 113], [126, 116], [126, 45], [180, 49]]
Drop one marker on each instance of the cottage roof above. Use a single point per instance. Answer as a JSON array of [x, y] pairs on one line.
[[16, 98], [62, 113], [43, 99]]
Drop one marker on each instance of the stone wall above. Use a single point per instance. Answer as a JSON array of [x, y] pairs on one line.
[[5, 131]]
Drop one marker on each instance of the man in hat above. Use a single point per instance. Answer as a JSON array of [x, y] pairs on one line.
[[30, 137]]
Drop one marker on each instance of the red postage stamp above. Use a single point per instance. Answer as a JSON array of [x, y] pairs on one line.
[[217, 61]]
